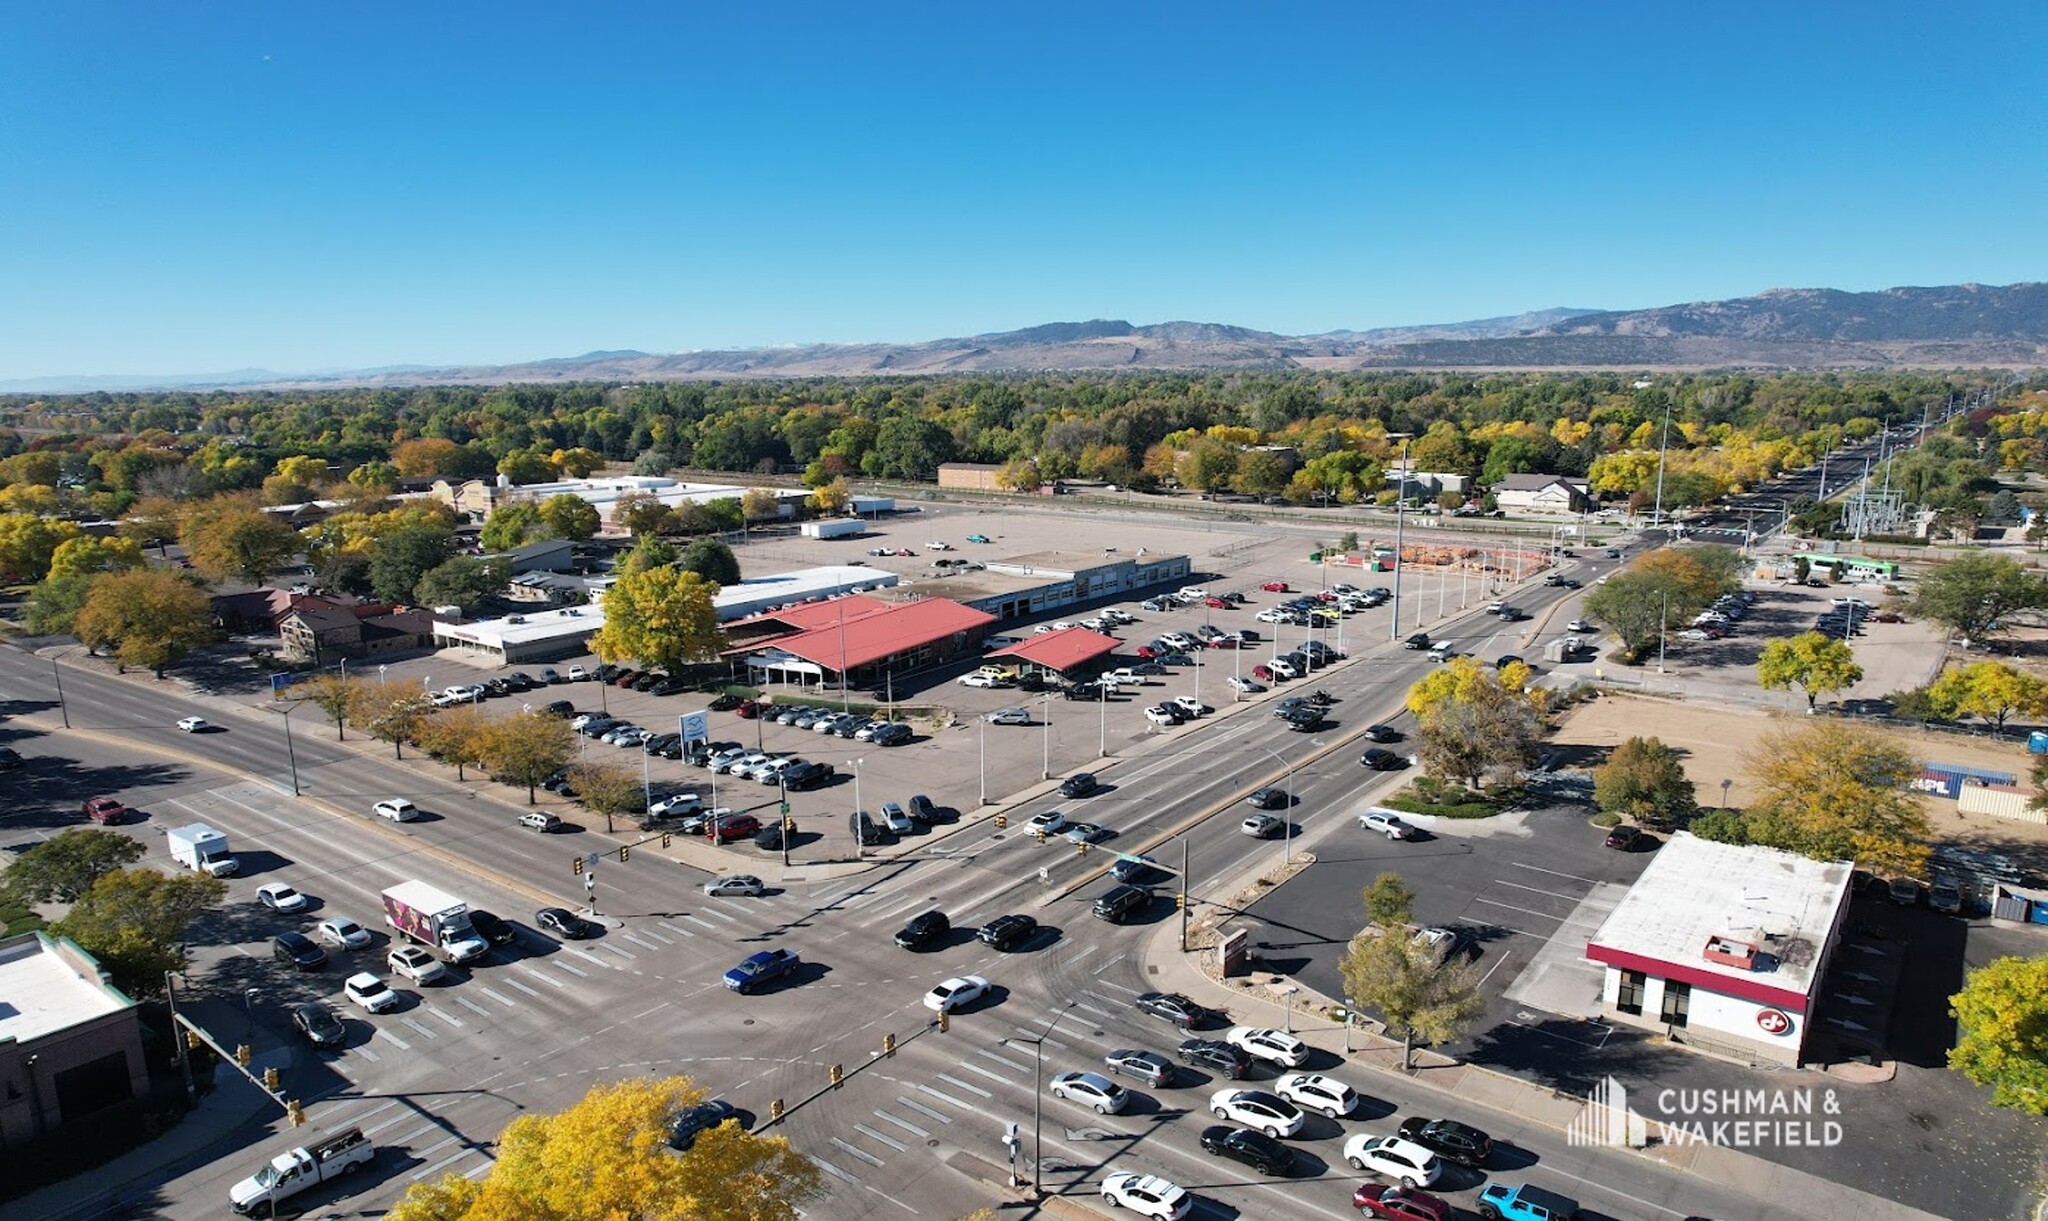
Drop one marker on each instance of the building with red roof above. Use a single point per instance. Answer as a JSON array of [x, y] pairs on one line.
[[863, 639], [1061, 652]]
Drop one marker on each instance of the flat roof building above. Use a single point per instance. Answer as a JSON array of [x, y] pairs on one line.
[[70, 1042], [484, 496], [1022, 586], [1724, 946]]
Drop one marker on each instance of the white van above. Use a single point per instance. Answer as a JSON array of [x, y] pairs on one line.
[[397, 810], [1442, 650]]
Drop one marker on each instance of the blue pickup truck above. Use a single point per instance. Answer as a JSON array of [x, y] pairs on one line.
[[1526, 1203], [761, 968]]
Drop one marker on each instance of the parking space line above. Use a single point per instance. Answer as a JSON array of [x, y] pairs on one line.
[[544, 976], [590, 958], [904, 1124], [513, 983], [858, 1152], [1538, 890], [571, 970], [871, 1134], [498, 996], [425, 1031], [1555, 874], [401, 1044], [472, 1006], [972, 1089], [680, 932], [445, 1016], [924, 1110], [965, 1106], [1511, 907], [621, 951]]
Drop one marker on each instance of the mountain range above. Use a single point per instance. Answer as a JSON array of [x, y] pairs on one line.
[[1965, 325]]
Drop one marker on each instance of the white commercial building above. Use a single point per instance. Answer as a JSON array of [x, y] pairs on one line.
[[1724, 946], [482, 497]]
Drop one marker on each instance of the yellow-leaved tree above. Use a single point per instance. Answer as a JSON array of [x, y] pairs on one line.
[[1835, 791], [605, 1159], [2002, 1014]]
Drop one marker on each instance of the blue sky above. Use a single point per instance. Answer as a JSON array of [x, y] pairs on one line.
[[215, 186]]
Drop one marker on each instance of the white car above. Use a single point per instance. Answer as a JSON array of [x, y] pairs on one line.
[[1193, 706], [1161, 717], [1249, 686], [979, 679], [1271, 1045], [1272, 616], [1091, 1090], [1083, 833], [279, 897], [415, 964], [578, 674], [734, 884], [724, 761], [1010, 716], [1147, 1195], [1389, 825], [1580, 625], [368, 991], [955, 993], [676, 806], [1391, 1157], [1283, 667], [1315, 1092], [343, 932], [192, 724], [1695, 634], [738, 764], [1048, 822], [1257, 1109], [398, 809], [998, 642]]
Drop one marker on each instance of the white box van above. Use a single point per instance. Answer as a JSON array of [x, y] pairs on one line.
[[397, 810], [1442, 650]]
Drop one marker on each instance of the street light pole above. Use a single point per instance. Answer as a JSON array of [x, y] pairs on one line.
[[62, 707], [1663, 622], [1400, 521], [983, 723], [289, 751], [1663, 447], [1045, 764], [1038, 1096]]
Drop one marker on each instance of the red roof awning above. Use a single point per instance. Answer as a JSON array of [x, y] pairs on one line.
[[1061, 650], [840, 645]]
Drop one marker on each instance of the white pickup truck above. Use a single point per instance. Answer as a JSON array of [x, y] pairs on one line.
[[294, 1170]]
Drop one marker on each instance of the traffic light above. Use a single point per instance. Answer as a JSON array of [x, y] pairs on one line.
[[576, 866], [1180, 903], [775, 1111], [1081, 849], [243, 1055], [271, 1080], [838, 1075], [664, 839], [788, 823], [192, 1040], [294, 1112], [888, 1044], [1041, 834], [624, 852], [945, 1020]]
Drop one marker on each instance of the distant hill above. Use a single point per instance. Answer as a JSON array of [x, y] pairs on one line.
[[1965, 325]]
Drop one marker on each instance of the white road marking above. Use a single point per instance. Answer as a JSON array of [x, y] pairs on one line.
[[588, 957], [645, 945], [449, 1018], [832, 1170], [871, 1134], [979, 1071], [500, 997], [1002, 1060], [401, 1044], [924, 1110], [425, 1031], [657, 936], [972, 1089], [858, 1152], [513, 983], [365, 1053], [680, 932], [700, 920], [728, 917], [904, 1124], [472, 1006], [571, 970]]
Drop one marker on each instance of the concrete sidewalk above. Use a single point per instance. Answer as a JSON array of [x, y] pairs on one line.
[[218, 1126], [1453, 1088]]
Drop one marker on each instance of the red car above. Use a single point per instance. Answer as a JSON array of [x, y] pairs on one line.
[[1224, 642], [747, 710], [1263, 673], [1147, 652], [1218, 603], [735, 826], [1275, 587], [1400, 1203]]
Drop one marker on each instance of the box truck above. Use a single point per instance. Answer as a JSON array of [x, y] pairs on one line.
[[433, 918], [202, 849], [291, 1172]]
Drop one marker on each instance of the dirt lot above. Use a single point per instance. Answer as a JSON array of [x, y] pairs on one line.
[[1715, 742]]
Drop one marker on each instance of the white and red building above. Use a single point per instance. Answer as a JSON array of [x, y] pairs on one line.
[[1724, 947]]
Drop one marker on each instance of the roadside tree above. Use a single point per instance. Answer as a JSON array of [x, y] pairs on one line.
[[528, 748], [608, 789], [1644, 780], [604, 1159], [1413, 995], [390, 710], [1475, 723], [331, 694], [64, 867], [662, 617], [2002, 1017], [1988, 689], [458, 735], [28, 542], [1389, 901], [148, 618], [1836, 791], [134, 922], [1811, 662], [1978, 594], [88, 555]]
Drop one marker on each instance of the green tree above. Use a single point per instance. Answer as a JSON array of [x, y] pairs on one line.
[[1988, 689], [603, 1160], [134, 921], [2002, 1022], [640, 514], [512, 525], [87, 555], [51, 608], [231, 540], [1811, 662], [1644, 780], [1638, 610], [528, 748], [608, 789], [908, 447], [149, 618], [404, 556], [64, 867], [571, 517], [464, 581], [1835, 791], [390, 711], [524, 466], [1413, 995], [1978, 594], [662, 618], [713, 560], [28, 542], [1259, 471], [651, 551], [1389, 901]]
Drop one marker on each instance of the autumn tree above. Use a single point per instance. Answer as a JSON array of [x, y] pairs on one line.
[[512, 525], [662, 618], [1389, 901], [760, 504], [426, 456], [608, 789], [1415, 996], [64, 867], [149, 618], [527, 749], [232, 540], [331, 694], [134, 921], [713, 560], [88, 555], [1836, 791], [570, 517], [2002, 1022], [1811, 662], [390, 710], [28, 542], [1988, 689], [1475, 722], [603, 1159], [831, 499], [576, 463], [639, 514], [458, 735], [1019, 475], [1644, 780], [1977, 594]]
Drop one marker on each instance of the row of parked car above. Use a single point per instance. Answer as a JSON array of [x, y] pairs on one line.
[[1719, 619], [828, 721]]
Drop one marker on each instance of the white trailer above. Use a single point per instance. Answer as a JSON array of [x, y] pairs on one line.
[[834, 527]]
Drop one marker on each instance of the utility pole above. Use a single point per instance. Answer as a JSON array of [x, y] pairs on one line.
[[1184, 894], [1400, 520], [1663, 448]]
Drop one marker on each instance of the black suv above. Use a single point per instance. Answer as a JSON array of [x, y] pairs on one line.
[[771, 837], [684, 1126], [1080, 784], [1008, 932], [1380, 760], [558, 708], [491, 928], [298, 950], [1174, 1008], [1419, 640], [1382, 733], [924, 930], [1449, 1139], [806, 775], [1255, 1149], [922, 810], [1217, 1056], [1122, 903]]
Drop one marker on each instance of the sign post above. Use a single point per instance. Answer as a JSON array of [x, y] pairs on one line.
[[590, 881]]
